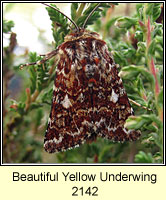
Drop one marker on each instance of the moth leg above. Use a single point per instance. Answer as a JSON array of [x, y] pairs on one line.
[[137, 104], [47, 57]]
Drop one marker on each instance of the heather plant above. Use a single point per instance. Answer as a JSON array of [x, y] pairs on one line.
[[136, 42]]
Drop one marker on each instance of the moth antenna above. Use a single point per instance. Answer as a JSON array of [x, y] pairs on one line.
[[63, 15], [90, 14]]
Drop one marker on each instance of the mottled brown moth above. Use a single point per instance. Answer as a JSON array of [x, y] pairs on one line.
[[89, 99]]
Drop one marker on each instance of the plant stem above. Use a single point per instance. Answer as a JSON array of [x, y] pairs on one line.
[[35, 95], [150, 60], [31, 99], [151, 65], [107, 18]]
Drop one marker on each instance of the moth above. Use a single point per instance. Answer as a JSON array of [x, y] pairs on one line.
[[89, 99]]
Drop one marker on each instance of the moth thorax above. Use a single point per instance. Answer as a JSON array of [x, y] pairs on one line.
[[89, 70]]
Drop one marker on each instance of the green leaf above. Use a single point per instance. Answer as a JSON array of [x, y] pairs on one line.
[[154, 10], [119, 58], [152, 47], [55, 16], [142, 121], [47, 96], [105, 154], [140, 10], [32, 71], [94, 17], [39, 116], [110, 23], [126, 22], [20, 106], [160, 99], [143, 157], [60, 25], [74, 7], [35, 106], [7, 26], [139, 35], [158, 30], [141, 48], [142, 70]]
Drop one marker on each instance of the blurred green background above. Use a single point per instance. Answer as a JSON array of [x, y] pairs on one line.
[[134, 35]]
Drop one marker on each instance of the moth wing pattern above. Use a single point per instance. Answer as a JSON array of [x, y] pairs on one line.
[[111, 104], [89, 99], [68, 124]]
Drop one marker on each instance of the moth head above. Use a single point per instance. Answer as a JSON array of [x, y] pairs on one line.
[[81, 33]]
